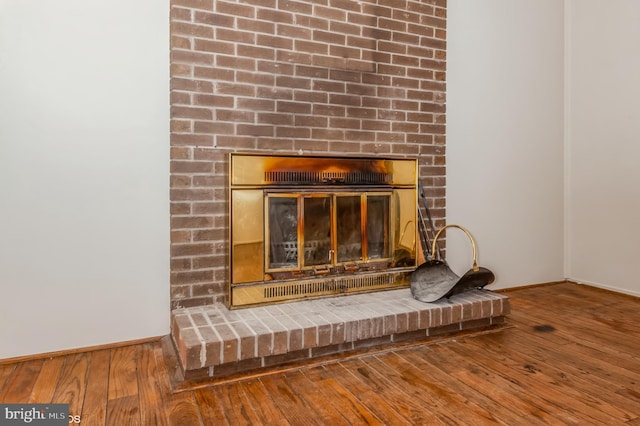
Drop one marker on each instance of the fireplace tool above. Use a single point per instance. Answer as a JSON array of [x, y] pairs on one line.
[[424, 236], [423, 198], [434, 279]]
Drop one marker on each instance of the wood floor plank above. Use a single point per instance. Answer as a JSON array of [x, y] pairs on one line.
[[407, 407], [72, 385], [400, 378], [164, 367], [500, 413], [149, 393], [123, 379], [606, 365], [211, 409], [446, 401], [617, 316], [425, 381], [606, 359], [42, 392], [367, 396], [396, 398], [592, 333], [182, 409], [577, 372], [576, 403], [170, 374], [353, 411], [20, 384], [577, 298], [291, 406], [6, 370], [239, 410], [380, 383], [326, 408], [93, 408], [263, 404], [123, 411], [503, 391]]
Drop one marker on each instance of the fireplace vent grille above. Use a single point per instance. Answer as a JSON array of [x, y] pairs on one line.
[[315, 178], [333, 286]]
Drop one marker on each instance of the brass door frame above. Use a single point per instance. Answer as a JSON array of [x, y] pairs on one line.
[[254, 177]]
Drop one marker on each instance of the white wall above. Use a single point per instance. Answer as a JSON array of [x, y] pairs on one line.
[[84, 140], [505, 137], [603, 137]]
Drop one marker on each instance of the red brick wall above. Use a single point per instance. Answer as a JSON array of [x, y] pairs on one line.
[[314, 76]]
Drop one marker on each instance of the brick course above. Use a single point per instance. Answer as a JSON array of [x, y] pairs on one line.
[[314, 77]]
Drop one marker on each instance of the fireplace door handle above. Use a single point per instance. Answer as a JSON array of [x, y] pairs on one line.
[[321, 271], [351, 268]]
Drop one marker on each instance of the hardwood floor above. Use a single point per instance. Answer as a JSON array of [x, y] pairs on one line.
[[570, 354]]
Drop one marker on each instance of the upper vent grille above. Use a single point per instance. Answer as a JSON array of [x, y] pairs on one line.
[[328, 178]]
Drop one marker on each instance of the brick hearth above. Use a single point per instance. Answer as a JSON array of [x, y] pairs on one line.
[[213, 341]]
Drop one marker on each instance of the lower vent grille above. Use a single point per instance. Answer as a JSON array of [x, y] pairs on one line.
[[334, 286], [275, 292]]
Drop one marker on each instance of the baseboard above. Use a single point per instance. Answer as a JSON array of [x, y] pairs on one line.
[[606, 288], [573, 281], [522, 287], [79, 350]]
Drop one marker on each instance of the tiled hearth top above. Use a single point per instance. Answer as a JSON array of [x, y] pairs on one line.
[[212, 336]]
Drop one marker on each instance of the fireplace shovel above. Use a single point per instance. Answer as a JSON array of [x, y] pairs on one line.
[[434, 279]]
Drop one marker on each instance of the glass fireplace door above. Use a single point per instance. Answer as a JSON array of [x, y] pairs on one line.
[[349, 228], [378, 220], [319, 231], [283, 228]]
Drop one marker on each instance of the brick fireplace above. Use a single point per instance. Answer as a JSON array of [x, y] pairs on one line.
[[328, 78], [337, 77]]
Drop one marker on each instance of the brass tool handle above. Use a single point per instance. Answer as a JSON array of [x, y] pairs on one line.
[[473, 243], [404, 230]]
